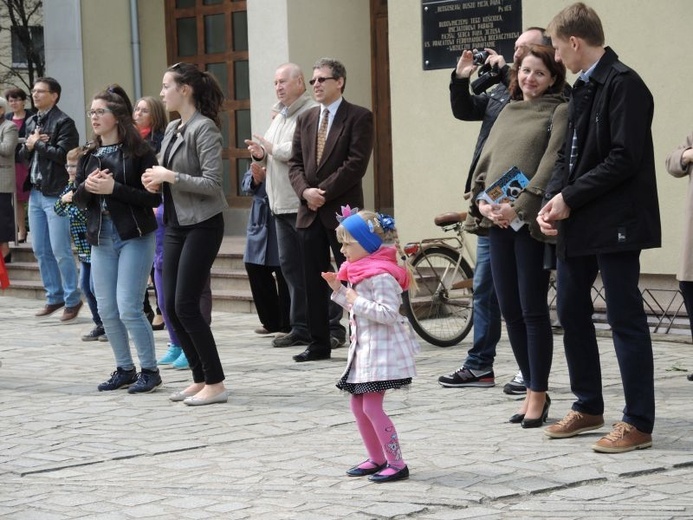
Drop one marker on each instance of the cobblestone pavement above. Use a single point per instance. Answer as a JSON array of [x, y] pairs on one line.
[[279, 448]]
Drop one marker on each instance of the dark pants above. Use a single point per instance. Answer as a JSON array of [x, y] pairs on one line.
[[87, 286], [316, 244], [631, 336], [687, 291], [188, 256], [522, 285], [270, 295]]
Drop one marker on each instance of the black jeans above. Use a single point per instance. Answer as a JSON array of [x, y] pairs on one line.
[[687, 291], [270, 295], [631, 335], [316, 244], [522, 285], [189, 253]]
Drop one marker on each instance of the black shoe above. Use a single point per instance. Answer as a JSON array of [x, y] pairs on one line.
[[465, 377], [310, 355], [517, 418], [538, 422], [689, 377], [516, 386], [290, 340], [119, 379], [94, 334], [402, 474], [362, 472], [147, 381], [336, 342]]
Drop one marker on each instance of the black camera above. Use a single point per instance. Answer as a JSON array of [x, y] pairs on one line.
[[488, 76], [479, 57]]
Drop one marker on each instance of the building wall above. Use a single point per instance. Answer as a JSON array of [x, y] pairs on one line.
[[432, 150]]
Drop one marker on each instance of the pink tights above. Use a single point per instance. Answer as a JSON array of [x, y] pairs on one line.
[[377, 430]]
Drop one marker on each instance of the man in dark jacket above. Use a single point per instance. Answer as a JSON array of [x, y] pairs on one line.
[[602, 205], [477, 368], [50, 135]]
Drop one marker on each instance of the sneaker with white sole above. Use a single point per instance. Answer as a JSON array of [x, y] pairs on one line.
[[465, 377], [516, 386], [147, 381]]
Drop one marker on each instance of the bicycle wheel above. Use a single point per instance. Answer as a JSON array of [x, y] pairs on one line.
[[441, 310]]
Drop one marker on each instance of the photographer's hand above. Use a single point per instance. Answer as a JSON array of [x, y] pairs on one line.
[[494, 59], [465, 65]]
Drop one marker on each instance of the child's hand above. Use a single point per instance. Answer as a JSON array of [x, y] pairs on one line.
[[351, 295], [67, 198], [331, 279]]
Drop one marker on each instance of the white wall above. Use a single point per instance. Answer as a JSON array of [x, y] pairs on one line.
[[63, 45]]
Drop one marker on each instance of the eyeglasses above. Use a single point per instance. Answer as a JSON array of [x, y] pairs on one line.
[[320, 80], [39, 91], [98, 112]]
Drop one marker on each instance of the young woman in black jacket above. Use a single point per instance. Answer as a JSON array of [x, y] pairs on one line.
[[120, 228]]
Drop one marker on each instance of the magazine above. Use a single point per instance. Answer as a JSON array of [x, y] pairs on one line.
[[507, 189]]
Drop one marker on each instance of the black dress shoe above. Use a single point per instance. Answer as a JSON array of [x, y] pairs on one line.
[[689, 377], [402, 474], [362, 472], [310, 355], [517, 418], [539, 421]]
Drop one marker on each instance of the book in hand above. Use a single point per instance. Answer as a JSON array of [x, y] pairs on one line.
[[507, 189]]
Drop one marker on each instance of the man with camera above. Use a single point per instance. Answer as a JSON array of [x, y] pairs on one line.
[[483, 105]]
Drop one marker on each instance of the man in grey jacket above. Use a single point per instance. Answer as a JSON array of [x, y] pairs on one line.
[[272, 152]]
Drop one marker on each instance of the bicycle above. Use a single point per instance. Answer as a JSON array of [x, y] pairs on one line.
[[441, 311]]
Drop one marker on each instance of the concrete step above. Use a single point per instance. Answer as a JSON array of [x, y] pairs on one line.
[[230, 286]]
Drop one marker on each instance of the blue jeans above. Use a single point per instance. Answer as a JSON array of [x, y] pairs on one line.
[[50, 240], [487, 317], [86, 283], [120, 269]]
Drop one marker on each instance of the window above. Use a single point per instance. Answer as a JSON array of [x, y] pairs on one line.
[[24, 38]]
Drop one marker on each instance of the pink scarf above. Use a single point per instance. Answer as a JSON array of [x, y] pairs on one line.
[[384, 260]]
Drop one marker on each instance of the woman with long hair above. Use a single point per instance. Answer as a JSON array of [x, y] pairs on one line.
[[120, 228], [150, 119], [18, 114], [190, 178]]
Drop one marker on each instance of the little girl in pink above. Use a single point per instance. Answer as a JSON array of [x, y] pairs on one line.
[[383, 345]]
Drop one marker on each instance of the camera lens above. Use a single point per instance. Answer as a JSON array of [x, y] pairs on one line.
[[479, 57]]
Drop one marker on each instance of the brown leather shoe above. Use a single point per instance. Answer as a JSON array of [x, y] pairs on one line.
[[624, 437], [49, 309], [70, 313], [573, 424]]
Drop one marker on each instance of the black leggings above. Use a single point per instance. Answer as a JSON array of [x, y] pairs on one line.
[[188, 256]]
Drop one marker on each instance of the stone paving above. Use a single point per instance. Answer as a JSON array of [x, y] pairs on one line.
[[279, 448]]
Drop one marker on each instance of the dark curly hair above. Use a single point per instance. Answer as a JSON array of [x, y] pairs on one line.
[[120, 106], [207, 94]]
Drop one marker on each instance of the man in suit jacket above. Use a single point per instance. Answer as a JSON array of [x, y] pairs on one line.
[[324, 182]]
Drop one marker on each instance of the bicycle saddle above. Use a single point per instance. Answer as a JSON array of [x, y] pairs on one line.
[[450, 218]]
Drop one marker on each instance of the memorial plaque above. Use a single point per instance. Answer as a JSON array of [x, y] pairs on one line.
[[451, 26]]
